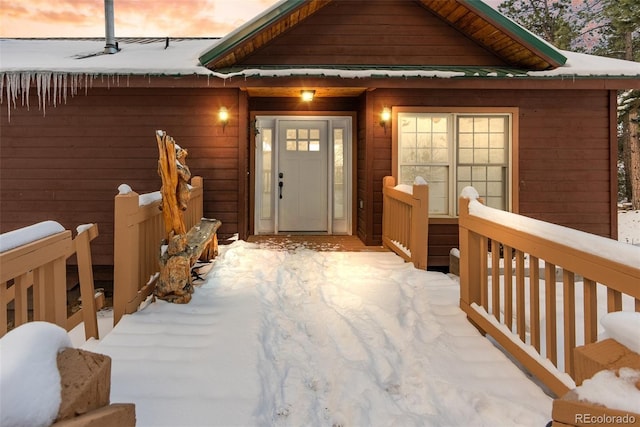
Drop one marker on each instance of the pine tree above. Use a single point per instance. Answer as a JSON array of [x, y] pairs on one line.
[[602, 27]]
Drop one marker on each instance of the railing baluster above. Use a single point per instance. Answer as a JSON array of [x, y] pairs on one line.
[[590, 311], [21, 305], [484, 274], [569, 321], [614, 300], [38, 294], [3, 310], [534, 301], [495, 278], [520, 316], [551, 343], [507, 254]]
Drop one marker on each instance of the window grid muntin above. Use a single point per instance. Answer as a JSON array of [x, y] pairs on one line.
[[492, 167], [425, 149], [482, 156]]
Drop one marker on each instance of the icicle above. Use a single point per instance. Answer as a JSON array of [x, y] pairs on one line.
[[1, 85], [54, 77], [15, 87], [66, 86], [25, 80], [39, 90]]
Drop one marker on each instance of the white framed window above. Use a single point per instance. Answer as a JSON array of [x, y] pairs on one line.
[[454, 149]]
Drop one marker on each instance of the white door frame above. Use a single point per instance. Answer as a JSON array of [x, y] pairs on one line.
[[339, 136]]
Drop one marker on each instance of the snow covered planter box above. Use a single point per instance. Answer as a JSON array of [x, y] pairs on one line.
[[43, 381], [85, 379], [608, 377], [608, 354], [571, 411]]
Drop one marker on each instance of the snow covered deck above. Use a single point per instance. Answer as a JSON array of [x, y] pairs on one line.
[[316, 338]]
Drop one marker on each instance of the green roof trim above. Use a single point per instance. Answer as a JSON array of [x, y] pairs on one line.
[[538, 45], [252, 27]]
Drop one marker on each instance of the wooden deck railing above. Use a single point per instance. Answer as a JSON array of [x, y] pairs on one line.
[[531, 313], [33, 277], [138, 231], [405, 221]]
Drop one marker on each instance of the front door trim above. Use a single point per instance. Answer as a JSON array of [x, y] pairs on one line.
[[264, 160]]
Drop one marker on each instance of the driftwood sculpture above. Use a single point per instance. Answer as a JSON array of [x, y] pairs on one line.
[[174, 283]]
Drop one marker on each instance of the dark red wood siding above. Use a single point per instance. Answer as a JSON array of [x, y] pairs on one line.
[[67, 165], [364, 32], [565, 164]]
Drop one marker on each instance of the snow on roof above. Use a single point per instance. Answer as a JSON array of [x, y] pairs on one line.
[[581, 64], [85, 56], [180, 58]]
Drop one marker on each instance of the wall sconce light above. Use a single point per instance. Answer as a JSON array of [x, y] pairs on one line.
[[385, 117], [307, 95], [223, 116]]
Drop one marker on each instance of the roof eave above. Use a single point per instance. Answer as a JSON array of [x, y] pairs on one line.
[[245, 32], [524, 36]]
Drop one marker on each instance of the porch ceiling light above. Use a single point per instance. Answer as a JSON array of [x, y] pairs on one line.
[[223, 116], [307, 95]]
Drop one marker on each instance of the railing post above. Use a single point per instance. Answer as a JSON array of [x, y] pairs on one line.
[[125, 253], [55, 291], [470, 256], [85, 273], [387, 181], [420, 227]]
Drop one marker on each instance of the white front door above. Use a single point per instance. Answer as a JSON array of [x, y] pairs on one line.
[[310, 157], [302, 176]]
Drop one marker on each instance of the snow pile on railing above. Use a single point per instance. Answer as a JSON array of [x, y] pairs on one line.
[[144, 199], [22, 236], [406, 188], [586, 242]]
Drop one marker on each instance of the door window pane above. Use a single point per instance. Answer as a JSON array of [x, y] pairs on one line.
[[338, 174], [267, 144]]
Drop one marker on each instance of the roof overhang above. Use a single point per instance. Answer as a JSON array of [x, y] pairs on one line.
[[477, 20]]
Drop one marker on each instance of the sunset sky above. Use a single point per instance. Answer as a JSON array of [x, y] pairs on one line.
[[134, 18]]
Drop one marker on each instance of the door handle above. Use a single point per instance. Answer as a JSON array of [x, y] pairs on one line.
[[280, 184]]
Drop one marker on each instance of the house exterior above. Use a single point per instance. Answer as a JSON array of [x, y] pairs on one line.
[[472, 99]]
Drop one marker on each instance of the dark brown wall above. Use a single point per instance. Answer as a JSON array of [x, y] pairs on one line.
[[364, 32], [67, 165], [564, 164]]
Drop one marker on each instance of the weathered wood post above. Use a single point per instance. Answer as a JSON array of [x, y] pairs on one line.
[[174, 282]]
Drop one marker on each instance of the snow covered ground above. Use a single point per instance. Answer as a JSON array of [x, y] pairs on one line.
[[308, 338], [298, 337], [629, 227], [316, 338]]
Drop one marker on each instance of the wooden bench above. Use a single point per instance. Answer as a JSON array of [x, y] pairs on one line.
[[177, 260], [202, 240]]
